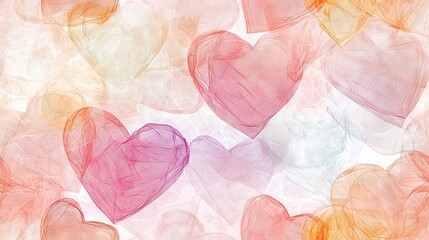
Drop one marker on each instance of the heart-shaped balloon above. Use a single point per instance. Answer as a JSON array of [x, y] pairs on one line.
[[266, 218], [383, 70], [121, 48], [64, 220], [183, 225], [123, 173], [269, 15], [226, 179], [247, 85]]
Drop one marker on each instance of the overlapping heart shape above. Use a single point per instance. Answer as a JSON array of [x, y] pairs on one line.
[[123, 173], [369, 202]]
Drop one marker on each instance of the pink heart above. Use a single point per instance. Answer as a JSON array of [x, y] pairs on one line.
[[266, 218], [123, 173], [64, 220], [244, 85], [384, 71], [183, 225], [269, 15], [226, 179]]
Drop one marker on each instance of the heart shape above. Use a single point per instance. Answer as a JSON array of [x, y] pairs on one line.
[[270, 15], [122, 47], [369, 202], [340, 19], [183, 225], [241, 89], [64, 220], [123, 173], [266, 218], [392, 59], [226, 179]]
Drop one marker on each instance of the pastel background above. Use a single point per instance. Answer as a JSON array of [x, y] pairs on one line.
[[290, 119]]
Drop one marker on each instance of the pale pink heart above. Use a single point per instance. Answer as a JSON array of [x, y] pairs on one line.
[[121, 48], [247, 85], [183, 225], [64, 220], [123, 173], [266, 218], [226, 179], [269, 15], [383, 70]]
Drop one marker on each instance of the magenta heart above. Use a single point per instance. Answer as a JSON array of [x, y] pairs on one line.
[[383, 70], [123, 173], [244, 85], [226, 179]]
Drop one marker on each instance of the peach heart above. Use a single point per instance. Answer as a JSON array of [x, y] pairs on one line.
[[123, 173], [64, 220], [368, 202], [266, 218], [226, 179]]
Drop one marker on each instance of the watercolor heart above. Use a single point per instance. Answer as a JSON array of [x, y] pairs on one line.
[[123, 173], [121, 48], [246, 86], [266, 218], [183, 225], [382, 70], [269, 15], [64, 220], [226, 179]]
